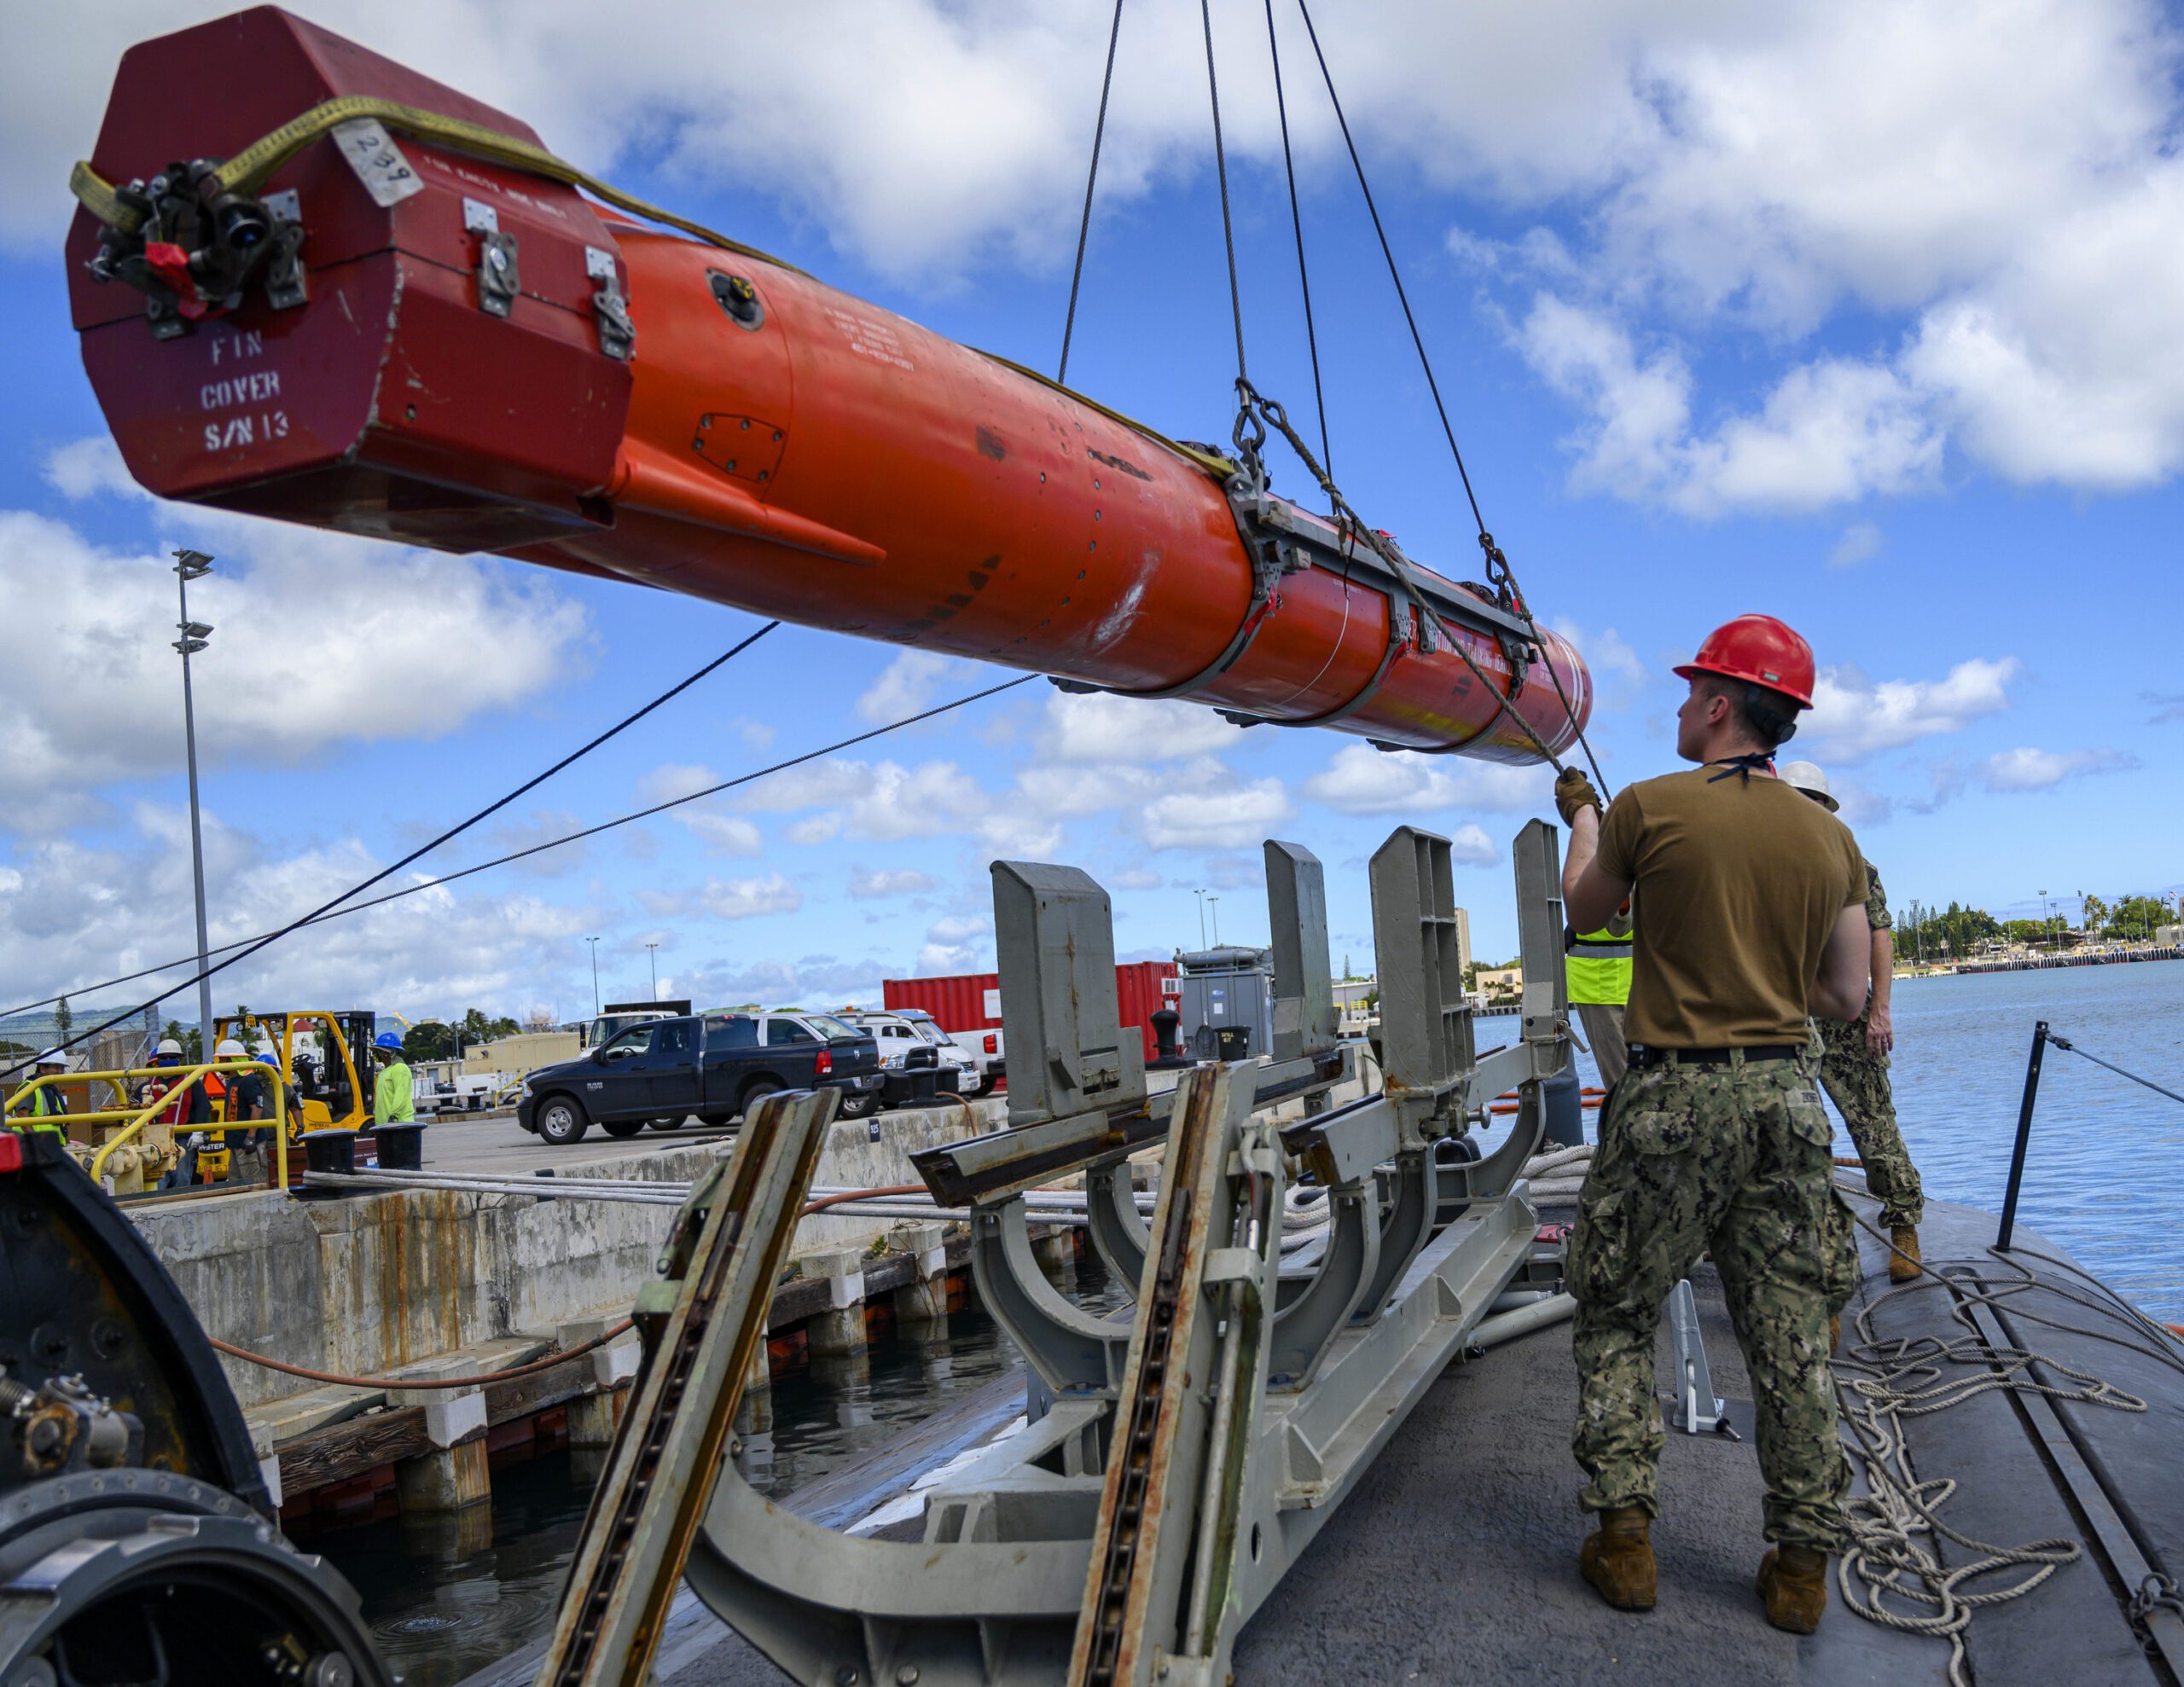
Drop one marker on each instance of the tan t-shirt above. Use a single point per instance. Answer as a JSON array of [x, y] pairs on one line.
[[1739, 883]]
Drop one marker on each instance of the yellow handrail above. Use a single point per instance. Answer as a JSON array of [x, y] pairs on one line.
[[138, 1117]]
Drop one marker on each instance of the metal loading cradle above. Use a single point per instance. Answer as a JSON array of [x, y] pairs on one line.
[[1179, 1460]]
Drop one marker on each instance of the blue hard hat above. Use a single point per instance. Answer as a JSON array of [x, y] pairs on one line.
[[387, 1040], [268, 1060]]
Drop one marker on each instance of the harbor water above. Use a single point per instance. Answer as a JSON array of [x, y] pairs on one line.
[[2104, 1179], [444, 1596]]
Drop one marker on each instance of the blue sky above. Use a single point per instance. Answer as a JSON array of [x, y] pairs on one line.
[[1864, 316]]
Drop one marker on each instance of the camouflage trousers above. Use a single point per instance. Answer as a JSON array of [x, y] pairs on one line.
[[1733, 1161], [1856, 1081]]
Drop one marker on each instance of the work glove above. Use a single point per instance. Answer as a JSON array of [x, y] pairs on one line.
[[1573, 791]]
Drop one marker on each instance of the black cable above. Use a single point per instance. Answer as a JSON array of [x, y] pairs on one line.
[[1394, 275], [1221, 170], [1297, 222], [539, 848], [2064, 1042], [1085, 228], [492, 807]]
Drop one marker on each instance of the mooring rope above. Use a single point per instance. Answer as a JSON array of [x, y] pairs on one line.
[[1880, 1381]]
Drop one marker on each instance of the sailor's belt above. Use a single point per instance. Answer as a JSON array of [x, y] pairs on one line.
[[1644, 1055]]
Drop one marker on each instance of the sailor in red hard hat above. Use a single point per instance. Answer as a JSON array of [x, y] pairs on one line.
[[1750, 904]]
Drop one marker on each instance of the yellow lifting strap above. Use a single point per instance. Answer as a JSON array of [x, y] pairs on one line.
[[250, 169]]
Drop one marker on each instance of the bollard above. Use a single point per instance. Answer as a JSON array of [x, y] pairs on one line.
[[401, 1147], [838, 1332]]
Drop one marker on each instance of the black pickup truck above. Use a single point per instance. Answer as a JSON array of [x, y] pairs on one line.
[[715, 1065]]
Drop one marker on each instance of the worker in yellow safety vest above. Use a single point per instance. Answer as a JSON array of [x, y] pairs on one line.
[[42, 1109], [1597, 968]]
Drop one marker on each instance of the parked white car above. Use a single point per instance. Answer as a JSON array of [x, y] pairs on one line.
[[899, 1033]]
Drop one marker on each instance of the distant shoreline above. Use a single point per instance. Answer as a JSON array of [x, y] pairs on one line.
[[2038, 963]]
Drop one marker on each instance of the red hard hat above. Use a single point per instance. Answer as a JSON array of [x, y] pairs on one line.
[[1760, 649]]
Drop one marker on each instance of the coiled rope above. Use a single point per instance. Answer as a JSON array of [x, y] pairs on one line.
[[1881, 1381]]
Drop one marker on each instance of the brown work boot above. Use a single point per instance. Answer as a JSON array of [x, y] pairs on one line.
[[1901, 1268], [1618, 1558], [1835, 1332], [1793, 1581]]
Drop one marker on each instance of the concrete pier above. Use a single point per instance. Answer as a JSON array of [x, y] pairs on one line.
[[836, 1331]]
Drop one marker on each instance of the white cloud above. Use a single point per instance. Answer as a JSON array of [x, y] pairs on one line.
[[813, 829], [2029, 770], [1861, 543], [1132, 878], [866, 884], [1098, 726], [264, 691], [1831, 432], [747, 898], [1469, 845], [959, 928], [1853, 718], [72, 912], [907, 685], [1359, 780], [723, 834], [1224, 815]]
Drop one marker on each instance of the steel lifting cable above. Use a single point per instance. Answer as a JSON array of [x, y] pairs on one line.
[[1091, 175], [1221, 171], [456, 831], [1494, 557], [577, 836], [1297, 223]]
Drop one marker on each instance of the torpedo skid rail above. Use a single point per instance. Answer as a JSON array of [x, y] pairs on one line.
[[395, 315], [1178, 1459]]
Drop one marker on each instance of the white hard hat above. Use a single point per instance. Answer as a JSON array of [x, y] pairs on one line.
[[52, 1057], [229, 1049], [168, 1046], [1808, 779]]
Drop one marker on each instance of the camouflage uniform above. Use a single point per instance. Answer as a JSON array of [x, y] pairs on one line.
[[1732, 1160], [1856, 1081]]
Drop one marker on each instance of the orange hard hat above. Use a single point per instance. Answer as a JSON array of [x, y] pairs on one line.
[[1758, 648]]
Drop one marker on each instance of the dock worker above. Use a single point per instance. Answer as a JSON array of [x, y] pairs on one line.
[[1716, 1141], [1854, 1067], [1596, 969], [188, 1108], [392, 1100], [42, 1109]]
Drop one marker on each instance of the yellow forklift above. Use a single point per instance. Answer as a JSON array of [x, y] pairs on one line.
[[327, 1053]]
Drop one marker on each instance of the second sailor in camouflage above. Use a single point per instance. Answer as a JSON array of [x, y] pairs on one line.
[[1856, 1078], [1731, 1160]]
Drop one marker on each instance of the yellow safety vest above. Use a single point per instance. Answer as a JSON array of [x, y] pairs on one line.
[[1598, 966]]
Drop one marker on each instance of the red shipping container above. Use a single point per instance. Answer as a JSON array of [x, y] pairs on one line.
[[971, 1001]]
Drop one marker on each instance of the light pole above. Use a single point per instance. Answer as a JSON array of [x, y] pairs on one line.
[[594, 942], [1201, 895], [189, 565], [1214, 902], [652, 954]]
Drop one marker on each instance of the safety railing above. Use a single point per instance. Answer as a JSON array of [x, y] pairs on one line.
[[180, 1081], [2042, 1041]]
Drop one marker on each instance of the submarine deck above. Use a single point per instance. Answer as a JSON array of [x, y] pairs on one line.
[[1455, 1559]]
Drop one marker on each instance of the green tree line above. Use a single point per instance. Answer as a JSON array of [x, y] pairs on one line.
[[1955, 932]]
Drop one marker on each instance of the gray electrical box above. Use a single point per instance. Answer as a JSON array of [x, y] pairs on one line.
[[1228, 1003]]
